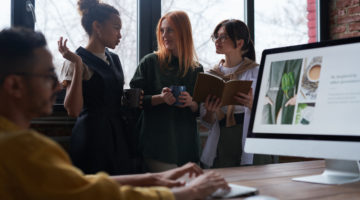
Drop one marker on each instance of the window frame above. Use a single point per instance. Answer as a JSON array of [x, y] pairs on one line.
[[20, 15], [149, 12]]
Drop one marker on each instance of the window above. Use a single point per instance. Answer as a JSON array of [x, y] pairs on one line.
[[204, 16], [61, 18], [284, 23], [5, 14]]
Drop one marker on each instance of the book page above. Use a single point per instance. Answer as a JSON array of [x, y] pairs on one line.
[[207, 84], [231, 88]]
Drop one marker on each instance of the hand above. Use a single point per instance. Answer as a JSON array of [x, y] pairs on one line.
[[245, 99], [268, 101], [141, 99], [167, 96], [212, 104], [66, 53], [185, 99], [176, 173], [291, 101], [157, 180], [206, 184]]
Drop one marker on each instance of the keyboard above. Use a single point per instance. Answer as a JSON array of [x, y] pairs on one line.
[[235, 191]]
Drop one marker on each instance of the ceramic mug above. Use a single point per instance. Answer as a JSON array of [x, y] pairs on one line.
[[176, 91], [313, 72]]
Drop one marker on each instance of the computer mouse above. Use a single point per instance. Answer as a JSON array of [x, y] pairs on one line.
[[260, 197]]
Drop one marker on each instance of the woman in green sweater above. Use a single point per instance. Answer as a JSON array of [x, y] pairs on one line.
[[168, 132]]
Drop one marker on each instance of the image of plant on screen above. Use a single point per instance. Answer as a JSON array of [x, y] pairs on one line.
[[281, 96]]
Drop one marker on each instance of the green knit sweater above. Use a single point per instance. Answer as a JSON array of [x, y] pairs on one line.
[[167, 133]]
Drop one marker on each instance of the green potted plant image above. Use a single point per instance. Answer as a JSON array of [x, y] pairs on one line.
[[287, 83]]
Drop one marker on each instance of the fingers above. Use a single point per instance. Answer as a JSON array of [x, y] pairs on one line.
[[217, 104], [169, 98], [194, 169], [65, 43], [269, 101], [217, 180], [172, 183], [244, 99], [212, 103], [62, 46], [166, 89], [287, 103], [208, 183], [207, 101]]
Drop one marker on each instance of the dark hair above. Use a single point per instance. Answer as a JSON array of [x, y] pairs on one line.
[[93, 10], [17, 46], [237, 30]]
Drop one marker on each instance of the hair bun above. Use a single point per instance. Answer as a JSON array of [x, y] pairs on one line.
[[85, 5]]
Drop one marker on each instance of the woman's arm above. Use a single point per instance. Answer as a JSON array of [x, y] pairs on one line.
[[165, 97], [73, 102], [145, 180]]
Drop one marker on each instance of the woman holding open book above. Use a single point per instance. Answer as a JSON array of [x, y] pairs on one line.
[[167, 125], [228, 125]]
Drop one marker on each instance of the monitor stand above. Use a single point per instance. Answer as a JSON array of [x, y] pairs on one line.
[[336, 172]]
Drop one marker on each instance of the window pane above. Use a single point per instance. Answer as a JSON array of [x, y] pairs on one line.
[[204, 16], [61, 18], [5, 14], [284, 23]]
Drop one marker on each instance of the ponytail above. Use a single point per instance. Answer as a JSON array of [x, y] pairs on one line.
[[94, 10], [249, 50]]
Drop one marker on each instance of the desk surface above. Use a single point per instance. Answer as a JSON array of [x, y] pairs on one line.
[[275, 180]]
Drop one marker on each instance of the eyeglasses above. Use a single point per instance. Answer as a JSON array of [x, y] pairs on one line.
[[52, 77], [222, 38]]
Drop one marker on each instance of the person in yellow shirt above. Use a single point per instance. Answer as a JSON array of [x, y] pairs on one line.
[[34, 167]]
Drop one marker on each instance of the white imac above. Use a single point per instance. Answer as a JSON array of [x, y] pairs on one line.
[[307, 104]]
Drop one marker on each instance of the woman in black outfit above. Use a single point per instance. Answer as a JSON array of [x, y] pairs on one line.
[[94, 82]]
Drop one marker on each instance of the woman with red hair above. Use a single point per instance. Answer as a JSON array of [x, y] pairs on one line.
[[168, 132]]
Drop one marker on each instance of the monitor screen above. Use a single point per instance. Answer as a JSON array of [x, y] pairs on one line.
[[307, 101]]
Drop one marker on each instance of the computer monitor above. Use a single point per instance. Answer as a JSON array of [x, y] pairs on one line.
[[307, 104]]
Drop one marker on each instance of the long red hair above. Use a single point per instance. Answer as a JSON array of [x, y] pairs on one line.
[[180, 22]]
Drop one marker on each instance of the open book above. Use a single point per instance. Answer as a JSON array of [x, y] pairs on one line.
[[210, 84]]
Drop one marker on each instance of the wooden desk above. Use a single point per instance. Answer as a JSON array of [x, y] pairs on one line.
[[275, 180]]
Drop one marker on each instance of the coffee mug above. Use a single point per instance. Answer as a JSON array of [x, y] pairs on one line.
[[313, 72], [176, 91], [131, 97]]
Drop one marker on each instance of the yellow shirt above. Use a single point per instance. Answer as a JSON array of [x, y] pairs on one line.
[[34, 167]]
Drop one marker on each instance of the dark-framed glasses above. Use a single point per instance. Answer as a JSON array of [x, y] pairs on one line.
[[221, 38], [51, 77]]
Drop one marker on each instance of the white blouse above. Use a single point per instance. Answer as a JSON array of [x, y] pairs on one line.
[[67, 69], [209, 152]]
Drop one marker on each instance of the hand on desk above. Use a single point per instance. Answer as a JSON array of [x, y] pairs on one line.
[[176, 173], [203, 185], [167, 178]]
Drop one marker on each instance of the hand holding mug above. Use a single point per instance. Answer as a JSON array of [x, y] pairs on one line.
[[185, 100], [167, 96]]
